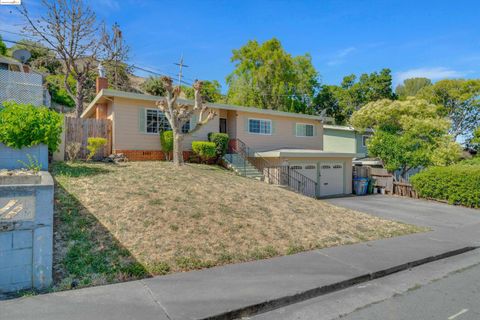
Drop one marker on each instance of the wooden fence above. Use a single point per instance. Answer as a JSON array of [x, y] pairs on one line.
[[404, 189], [79, 130]]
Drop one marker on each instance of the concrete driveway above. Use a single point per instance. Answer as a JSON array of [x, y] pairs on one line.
[[414, 211]]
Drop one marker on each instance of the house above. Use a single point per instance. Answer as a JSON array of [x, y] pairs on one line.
[[273, 138], [20, 84], [345, 139]]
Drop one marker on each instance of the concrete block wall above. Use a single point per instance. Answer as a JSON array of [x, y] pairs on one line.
[[11, 158], [26, 243]]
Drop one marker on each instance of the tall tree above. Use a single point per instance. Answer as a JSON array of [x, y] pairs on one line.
[[210, 91], [411, 87], [407, 134], [460, 101], [3, 47], [71, 30], [178, 114], [268, 77], [341, 101]]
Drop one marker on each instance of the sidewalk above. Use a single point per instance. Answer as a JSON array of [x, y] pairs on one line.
[[235, 290]]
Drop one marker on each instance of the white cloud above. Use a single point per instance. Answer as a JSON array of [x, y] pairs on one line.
[[340, 56], [436, 73]]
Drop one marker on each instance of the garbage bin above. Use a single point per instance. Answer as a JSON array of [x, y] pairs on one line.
[[360, 186], [371, 185]]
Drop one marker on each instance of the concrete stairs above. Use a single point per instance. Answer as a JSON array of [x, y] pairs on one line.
[[242, 166]]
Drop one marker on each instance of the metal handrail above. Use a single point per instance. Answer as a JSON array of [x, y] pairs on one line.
[[276, 174]]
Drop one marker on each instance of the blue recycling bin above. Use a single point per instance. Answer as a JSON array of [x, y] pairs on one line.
[[360, 186]]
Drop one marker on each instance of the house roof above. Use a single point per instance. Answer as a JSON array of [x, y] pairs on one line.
[[343, 128], [303, 153], [105, 94]]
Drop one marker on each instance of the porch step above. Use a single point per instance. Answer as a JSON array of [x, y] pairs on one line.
[[242, 166]]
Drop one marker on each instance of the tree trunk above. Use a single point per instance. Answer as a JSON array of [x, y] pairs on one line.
[[177, 149], [79, 99]]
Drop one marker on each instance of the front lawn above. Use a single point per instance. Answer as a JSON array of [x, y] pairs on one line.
[[127, 221]]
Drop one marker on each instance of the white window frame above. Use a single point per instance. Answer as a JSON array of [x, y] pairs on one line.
[[259, 133], [365, 137], [157, 110], [304, 124]]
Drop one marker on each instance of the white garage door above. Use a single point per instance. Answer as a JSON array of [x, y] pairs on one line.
[[331, 178]]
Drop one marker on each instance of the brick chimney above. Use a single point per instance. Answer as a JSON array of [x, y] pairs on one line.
[[102, 83]]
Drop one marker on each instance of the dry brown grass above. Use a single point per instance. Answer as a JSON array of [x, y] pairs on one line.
[[172, 219]]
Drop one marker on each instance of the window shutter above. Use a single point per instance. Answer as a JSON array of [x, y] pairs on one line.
[[273, 127], [294, 129], [245, 124], [141, 120], [314, 130], [193, 121]]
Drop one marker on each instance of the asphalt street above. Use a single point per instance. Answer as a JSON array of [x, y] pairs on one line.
[[448, 290]]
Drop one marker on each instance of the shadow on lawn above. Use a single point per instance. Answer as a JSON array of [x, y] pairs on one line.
[[76, 170], [85, 252]]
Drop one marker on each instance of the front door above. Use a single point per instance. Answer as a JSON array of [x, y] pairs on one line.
[[331, 178], [223, 125]]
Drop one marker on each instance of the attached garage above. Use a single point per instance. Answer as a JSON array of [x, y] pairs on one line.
[[331, 170]]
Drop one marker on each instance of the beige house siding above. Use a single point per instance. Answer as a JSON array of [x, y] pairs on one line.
[[232, 123], [347, 164], [283, 135], [127, 134]]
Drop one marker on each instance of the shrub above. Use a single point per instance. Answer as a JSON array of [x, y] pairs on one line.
[[221, 143], [457, 184], [24, 125], [166, 140], [93, 145], [205, 150]]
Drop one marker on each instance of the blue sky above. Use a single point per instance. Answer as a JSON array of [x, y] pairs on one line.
[[437, 39]]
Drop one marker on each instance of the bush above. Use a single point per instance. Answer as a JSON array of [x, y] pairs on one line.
[[24, 125], [166, 140], [93, 145], [205, 150], [221, 143], [457, 184]]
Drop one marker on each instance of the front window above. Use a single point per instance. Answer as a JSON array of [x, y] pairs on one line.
[[157, 122], [259, 126], [304, 130], [364, 140]]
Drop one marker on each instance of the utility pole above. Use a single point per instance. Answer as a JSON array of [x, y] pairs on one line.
[[181, 66]]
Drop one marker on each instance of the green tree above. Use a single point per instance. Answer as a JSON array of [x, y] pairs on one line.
[[153, 86], [411, 87], [210, 92], [42, 59], [474, 141], [3, 47], [268, 77], [56, 87], [460, 101], [407, 134], [341, 101]]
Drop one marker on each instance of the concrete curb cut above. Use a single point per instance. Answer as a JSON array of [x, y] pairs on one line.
[[315, 292]]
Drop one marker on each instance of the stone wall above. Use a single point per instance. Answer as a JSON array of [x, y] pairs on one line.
[[11, 158], [26, 235]]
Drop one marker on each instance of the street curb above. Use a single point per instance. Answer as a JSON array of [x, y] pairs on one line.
[[315, 292]]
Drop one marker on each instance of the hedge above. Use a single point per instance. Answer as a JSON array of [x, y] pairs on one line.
[[457, 184], [25, 125], [221, 142], [205, 150]]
